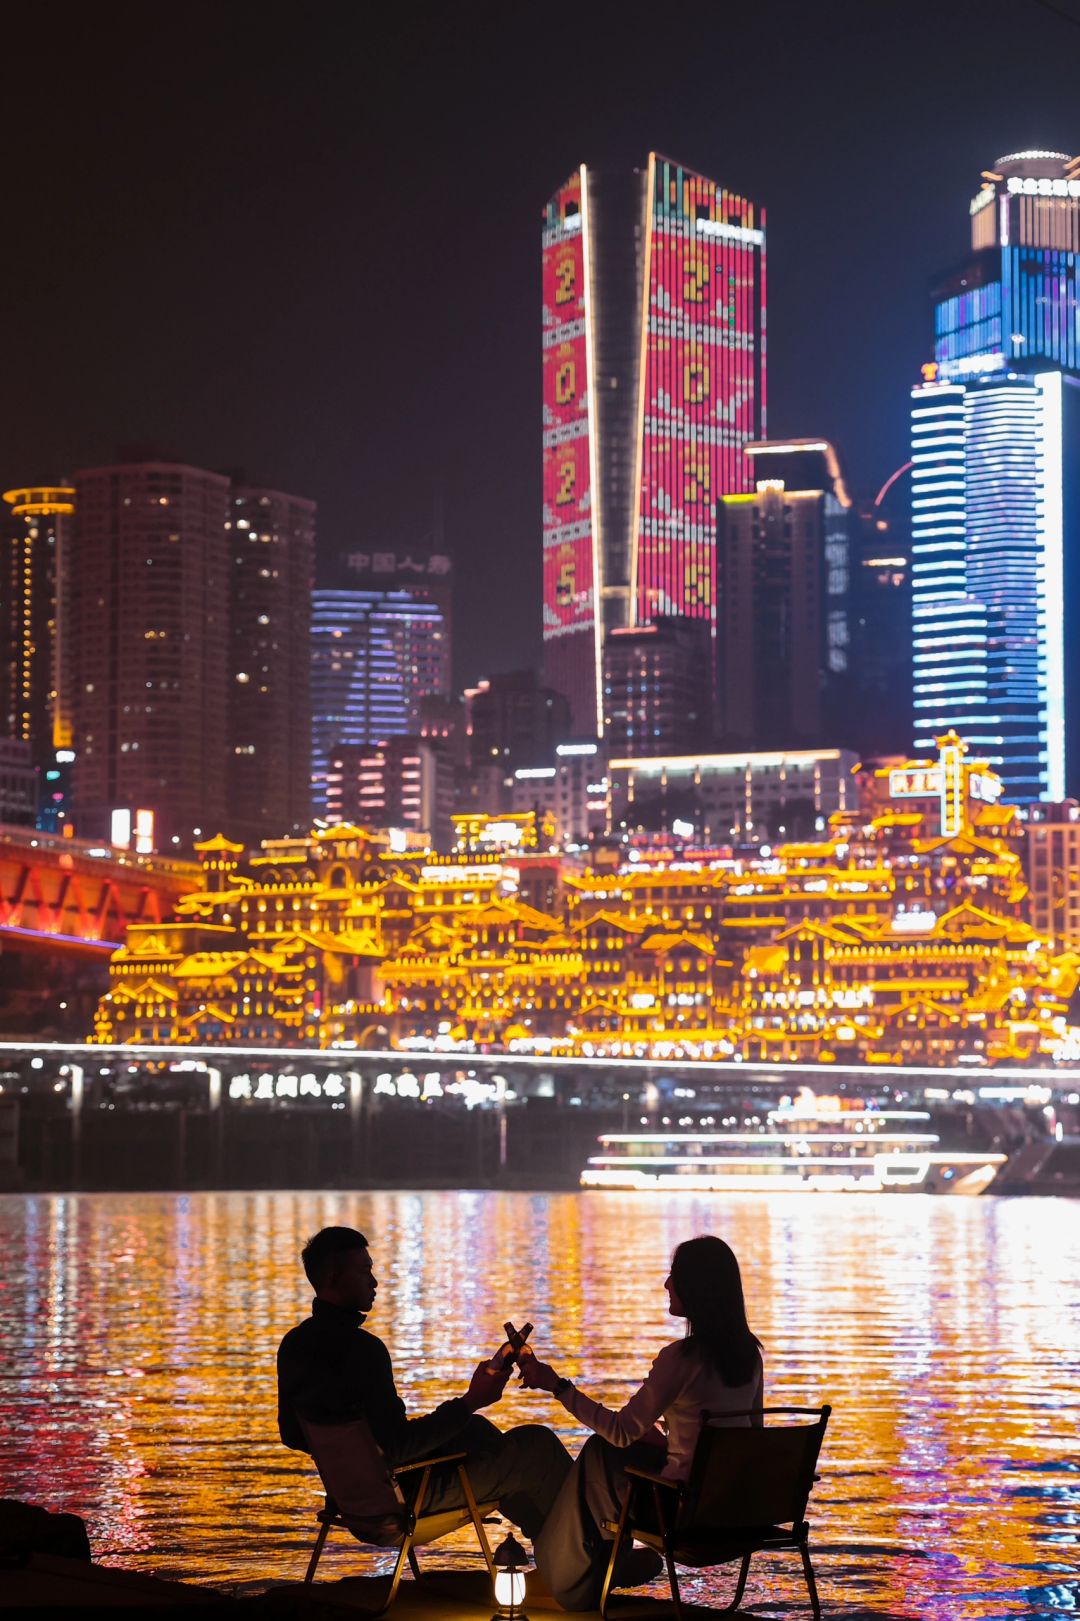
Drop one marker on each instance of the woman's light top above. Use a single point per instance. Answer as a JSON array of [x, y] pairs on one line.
[[679, 1385]]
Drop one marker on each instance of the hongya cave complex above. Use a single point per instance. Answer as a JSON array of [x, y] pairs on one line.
[[900, 936]]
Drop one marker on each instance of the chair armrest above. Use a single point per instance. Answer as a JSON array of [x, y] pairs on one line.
[[675, 1486], [426, 1463]]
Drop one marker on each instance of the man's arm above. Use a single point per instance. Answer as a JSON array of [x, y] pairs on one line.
[[403, 1438], [330, 1380]]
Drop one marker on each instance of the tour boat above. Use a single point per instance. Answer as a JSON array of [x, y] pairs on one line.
[[821, 1146]]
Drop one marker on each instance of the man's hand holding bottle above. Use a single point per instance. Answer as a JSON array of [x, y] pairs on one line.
[[489, 1380]]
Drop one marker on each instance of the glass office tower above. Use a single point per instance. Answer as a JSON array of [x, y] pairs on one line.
[[995, 506], [653, 381], [374, 655]]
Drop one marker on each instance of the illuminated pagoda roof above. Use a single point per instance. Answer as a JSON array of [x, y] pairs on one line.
[[219, 845]]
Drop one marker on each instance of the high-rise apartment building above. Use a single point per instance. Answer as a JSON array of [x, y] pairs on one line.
[[35, 644], [658, 687], [405, 782], [513, 720], [378, 647], [996, 486], [18, 782], [149, 590], [783, 566], [653, 381], [572, 791], [272, 545], [880, 696]]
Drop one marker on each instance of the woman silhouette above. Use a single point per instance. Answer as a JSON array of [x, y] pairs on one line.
[[717, 1366]]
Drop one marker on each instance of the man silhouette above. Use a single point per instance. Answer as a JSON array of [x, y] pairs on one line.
[[332, 1370]]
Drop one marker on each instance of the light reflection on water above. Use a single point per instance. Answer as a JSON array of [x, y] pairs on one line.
[[137, 1340]]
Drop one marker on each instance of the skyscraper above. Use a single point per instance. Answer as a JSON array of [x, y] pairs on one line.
[[784, 583], [35, 668], [380, 643], [149, 583], [996, 485], [1013, 300], [881, 632], [658, 687], [513, 720], [653, 380], [272, 539]]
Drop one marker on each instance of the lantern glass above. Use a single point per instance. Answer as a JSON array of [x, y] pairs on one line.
[[509, 1589]]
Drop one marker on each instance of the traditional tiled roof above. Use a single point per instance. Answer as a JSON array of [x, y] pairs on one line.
[[219, 845]]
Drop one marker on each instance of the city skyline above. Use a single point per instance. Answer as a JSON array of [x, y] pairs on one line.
[[283, 367]]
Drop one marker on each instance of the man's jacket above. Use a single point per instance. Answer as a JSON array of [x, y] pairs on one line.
[[331, 1370]]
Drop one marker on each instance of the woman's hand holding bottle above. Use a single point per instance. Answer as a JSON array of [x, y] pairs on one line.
[[536, 1375]]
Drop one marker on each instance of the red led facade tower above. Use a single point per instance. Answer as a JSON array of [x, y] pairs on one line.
[[654, 380], [571, 621]]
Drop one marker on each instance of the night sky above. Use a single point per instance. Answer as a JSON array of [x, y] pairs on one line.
[[303, 240]]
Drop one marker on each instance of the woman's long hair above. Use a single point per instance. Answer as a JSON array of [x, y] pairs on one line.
[[705, 1276]]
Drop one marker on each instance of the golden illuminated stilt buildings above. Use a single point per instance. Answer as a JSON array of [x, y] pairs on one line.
[[901, 937]]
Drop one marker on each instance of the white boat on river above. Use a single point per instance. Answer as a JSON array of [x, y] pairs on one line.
[[811, 1145]]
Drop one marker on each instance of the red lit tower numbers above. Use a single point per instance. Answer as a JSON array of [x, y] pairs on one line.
[[700, 406], [568, 581]]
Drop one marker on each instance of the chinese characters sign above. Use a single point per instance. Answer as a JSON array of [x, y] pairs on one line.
[[434, 564]]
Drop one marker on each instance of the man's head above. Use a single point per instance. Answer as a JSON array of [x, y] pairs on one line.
[[339, 1269]]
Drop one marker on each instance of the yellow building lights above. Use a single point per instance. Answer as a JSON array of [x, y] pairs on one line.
[[893, 940], [41, 501]]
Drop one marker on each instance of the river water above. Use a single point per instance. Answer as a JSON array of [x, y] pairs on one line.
[[137, 1339]]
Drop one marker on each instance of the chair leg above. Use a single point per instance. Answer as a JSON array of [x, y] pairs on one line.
[[669, 1561], [406, 1552], [740, 1587], [808, 1572], [317, 1551], [673, 1581], [478, 1524], [620, 1532]]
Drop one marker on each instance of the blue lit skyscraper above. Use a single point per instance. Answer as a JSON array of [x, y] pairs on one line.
[[377, 648], [1015, 299], [995, 506]]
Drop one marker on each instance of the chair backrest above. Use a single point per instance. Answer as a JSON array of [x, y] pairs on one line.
[[758, 1476], [353, 1468]]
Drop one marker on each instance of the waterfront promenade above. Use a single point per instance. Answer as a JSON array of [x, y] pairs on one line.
[[90, 1116]]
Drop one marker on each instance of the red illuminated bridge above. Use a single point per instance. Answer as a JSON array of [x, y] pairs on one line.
[[68, 896]]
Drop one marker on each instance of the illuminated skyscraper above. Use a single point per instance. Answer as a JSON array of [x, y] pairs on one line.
[[658, 687], [35, 684], [149, 580], [996, 486], [653, 380], [272, 538], [784, 588], [378, 647], [1014, 300]]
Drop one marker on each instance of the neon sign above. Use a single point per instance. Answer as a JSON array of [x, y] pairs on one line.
[[1028, 186]]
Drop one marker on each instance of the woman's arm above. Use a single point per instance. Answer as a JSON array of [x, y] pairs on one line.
[[634, 1421]]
